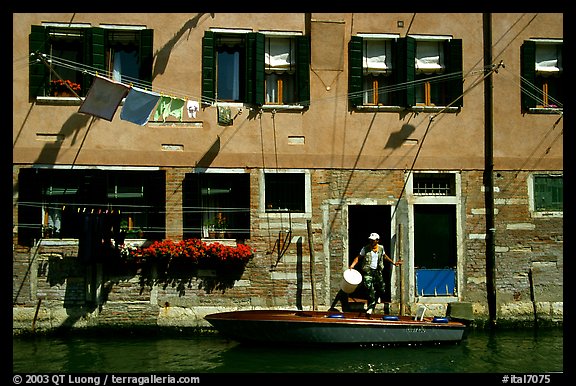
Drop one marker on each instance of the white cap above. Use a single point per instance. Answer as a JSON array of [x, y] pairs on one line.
[[374, 236]]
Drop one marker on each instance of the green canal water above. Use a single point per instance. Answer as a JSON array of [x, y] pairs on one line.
[[534, 351]]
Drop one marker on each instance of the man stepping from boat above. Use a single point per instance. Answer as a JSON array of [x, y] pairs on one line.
[[372, 257]]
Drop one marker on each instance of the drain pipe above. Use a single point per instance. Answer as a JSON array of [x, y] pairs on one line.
[[489, 170]]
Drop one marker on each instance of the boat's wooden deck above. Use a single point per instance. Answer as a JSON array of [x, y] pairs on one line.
[[328, 317]]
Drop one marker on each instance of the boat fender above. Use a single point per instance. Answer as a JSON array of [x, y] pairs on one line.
[[438, 319], [389, 317], [336, 316]]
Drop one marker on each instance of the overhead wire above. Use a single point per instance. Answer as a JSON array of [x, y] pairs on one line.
[[432, 117], [128, 81]]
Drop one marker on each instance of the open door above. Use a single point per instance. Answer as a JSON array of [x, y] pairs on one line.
[[363, 220]]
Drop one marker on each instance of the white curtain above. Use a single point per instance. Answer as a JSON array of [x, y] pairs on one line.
[[548, 58], [279, 55], [376, 56], [117, 70], [429, 56]]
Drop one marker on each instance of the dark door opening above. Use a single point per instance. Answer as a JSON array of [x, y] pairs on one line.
[[435, 251], [363, 220]]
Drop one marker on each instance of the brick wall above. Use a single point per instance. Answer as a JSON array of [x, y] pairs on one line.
[[529, 260]]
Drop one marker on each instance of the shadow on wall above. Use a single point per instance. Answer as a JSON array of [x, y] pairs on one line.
[[163, 54], [397, 138]]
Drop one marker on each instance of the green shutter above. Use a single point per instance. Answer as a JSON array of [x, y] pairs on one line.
[[455, 85], [259, 82], [38, 72], [405, 70], [146, 55], [255, 68], [95, 54], [98, 49], [303, 70], [208, 68], [528, 90], [355, 71]]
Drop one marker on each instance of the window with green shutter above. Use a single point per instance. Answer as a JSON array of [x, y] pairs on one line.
[[64, 49], [438, 72], [255, 68], [541, 71], [405, 72], [76, 53], [548, 193]]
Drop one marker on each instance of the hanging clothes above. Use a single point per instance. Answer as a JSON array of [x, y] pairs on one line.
[[97, 230], [90, 238], [176, 108], [138, 106], [103, 98], [192, 107], [163, 108], [224, 116]]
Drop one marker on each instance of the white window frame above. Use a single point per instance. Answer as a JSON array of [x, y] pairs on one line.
[[281, 215], [531, 197], [455, 200]]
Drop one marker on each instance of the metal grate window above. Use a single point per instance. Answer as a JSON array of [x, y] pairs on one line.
[[548, 193], [434, 184]]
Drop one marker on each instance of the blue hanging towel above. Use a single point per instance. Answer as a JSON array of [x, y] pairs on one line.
[[138, 106]]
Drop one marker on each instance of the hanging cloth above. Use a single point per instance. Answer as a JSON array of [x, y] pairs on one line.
[[176, 107], [163, 108], [224, 116], [103, 98], [138, 106], [192, 108]]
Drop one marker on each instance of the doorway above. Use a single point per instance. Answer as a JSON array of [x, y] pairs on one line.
[[363, 220], [435, 250]]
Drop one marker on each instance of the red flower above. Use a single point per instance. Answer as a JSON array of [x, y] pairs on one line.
[[213, 255], [64, 85]]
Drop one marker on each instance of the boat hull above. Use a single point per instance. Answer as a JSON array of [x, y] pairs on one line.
[[313, 327]]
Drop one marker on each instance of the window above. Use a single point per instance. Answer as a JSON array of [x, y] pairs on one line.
[[377, 71], [217, 205], [542, 74], [124, 53], [548, 193], [254, 68], [280, 70], [430, 90], [434, 184], [50, 201], [230, 61], [394, 71], [285, 192]]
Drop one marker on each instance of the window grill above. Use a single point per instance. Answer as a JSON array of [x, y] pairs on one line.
[[434, 184]]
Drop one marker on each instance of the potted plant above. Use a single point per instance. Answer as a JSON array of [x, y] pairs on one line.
[[221, 225]]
